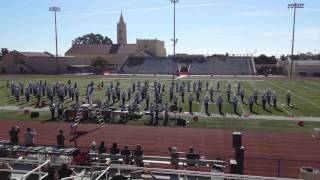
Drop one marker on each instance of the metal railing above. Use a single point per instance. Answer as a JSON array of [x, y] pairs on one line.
[[85, 175], [159, 159], [185, 173], [158, 171], [105, 172], [77, 176], [275, 167], [38, 168]]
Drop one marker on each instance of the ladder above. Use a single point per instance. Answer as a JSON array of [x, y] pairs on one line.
[[79, 116], [99, 117]]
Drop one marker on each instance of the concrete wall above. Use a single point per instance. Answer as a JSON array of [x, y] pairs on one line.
[[113, 59], [154, 47], [306, 70], [300, 69], [15, 63], [2, 68]]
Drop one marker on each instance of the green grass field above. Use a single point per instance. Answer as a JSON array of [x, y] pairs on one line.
[[305, 97]]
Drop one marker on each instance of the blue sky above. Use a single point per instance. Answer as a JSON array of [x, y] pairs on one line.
[[203, 26]]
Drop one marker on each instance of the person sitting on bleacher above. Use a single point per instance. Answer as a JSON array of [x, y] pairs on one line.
[[137, 156], [93, 147], [52, 174], [127, 155], [102, 148], [114, 151], [29, 137], [191, 156], [82, 159], [5, 175], [64, 171], [174, 157]]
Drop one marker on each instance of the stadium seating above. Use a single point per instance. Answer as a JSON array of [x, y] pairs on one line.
[[37, 163], [213, 65], [106, 172]]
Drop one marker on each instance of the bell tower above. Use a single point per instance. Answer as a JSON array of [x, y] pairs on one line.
[[121, 31]]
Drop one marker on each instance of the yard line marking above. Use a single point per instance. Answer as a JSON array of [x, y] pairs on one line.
[[202, 108], [240, 104], [282, 105], [312, 84], [306, 100]]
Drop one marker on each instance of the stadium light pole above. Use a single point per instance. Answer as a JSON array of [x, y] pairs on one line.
[[55, 10], [293, 6], [174, 40]]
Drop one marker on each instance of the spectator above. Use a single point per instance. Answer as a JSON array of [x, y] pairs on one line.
[[102, 148], [127, 155], [65, 171], [30, 137], [174, 157], [93, 147], [52, 174], [7, 170], [114, 149], [14, 135], [137, 155], [192, 157], [60, 139], [82, 159]]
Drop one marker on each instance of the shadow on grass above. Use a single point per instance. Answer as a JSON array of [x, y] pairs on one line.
[[254, 112], [22, 103], [268, 111], [293, 107], [279, 110]]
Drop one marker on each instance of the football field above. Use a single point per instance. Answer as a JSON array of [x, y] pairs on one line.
[[305, 94]]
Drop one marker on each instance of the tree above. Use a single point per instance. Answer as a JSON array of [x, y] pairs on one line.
[[99, 63], [283, 58], [92, 39], [3, 52], [263, 59]]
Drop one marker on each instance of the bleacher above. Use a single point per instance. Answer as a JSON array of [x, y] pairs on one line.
[[213, 65], [33, 163], [107, 172]]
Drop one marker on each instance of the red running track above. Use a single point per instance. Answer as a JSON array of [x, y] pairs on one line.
[[262, 149]]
